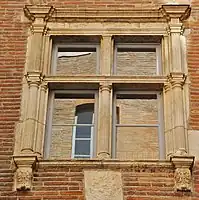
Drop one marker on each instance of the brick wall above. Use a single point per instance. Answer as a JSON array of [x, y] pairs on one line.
[[57, 182]]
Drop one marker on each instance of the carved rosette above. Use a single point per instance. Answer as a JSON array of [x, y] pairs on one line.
[[183, 165], [25, 165]]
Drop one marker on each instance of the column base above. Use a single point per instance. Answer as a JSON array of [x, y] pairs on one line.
[[103, 155]]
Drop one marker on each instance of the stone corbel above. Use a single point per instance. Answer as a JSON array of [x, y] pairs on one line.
[[25, 165], [183, 164]]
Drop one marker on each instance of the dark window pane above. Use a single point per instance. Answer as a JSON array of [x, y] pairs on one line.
[[84, 117], [83, 131], [82, 147]]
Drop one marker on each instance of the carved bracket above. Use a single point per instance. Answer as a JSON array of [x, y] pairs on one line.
[[183, 165], [24, 172]]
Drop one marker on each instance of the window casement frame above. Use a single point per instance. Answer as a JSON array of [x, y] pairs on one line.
[[156, 46], [77, 45], [91, 139], [48, 132], [160, 125]]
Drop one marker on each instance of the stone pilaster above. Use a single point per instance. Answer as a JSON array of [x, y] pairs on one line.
[[104, 123], [183, 165]]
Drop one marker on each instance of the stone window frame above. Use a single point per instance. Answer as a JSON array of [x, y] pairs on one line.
[[48, 130], [46, 21]]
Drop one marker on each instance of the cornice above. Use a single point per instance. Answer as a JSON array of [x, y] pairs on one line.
[[162, 14]]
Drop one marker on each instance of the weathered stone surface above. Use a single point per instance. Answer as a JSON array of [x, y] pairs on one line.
[[106, 185]]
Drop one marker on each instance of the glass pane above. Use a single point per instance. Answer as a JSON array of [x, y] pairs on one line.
[[137, 143], [82, 147], [133, 61], [83, 131], [76, 61], [65, 107], [85, 117], [137, 109], [61, 142]]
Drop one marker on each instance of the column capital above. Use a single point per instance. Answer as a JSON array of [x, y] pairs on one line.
[[34, 78], [105, 87], [167, 87], [176, 79], [24, 172], [44, 85]]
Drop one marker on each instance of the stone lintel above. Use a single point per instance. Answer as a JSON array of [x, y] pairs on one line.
[[181, 11], [41, 11], [25, 165]]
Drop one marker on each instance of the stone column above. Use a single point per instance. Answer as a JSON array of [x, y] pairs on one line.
[[168, 115], [177, 79], [29, 134], [104, 122], [42, 109], [106, 55]]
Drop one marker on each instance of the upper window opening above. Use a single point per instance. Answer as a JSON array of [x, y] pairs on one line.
[[137, 59], [75, 60]]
